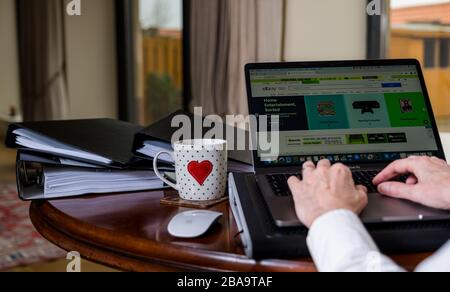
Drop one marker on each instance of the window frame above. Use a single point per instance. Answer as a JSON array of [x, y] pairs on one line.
[[377, 44], [378, 32], [430, 53], [444, 53], [126, 59], [125, 41]]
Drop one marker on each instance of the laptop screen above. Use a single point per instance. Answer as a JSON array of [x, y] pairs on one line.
[[345, 114]]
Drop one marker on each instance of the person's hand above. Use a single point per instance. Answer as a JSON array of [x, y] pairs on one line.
[[428, 183], [324, 189]]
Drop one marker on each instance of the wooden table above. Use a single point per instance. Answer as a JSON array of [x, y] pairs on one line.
[[129, 232]]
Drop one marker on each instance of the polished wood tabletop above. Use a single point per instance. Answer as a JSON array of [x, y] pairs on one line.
[[129, 232]]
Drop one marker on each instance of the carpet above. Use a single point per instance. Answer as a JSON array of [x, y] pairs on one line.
[[20, 243]]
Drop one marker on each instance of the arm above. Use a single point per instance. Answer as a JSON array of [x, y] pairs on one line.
[[327, 201], [440, 262], [338, 242]]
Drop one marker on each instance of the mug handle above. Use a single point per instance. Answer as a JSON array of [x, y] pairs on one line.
[[158, 174]]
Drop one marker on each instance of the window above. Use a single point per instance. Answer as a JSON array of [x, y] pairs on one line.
[[444, 53], [420, 29], [162, 58], [430, 53]]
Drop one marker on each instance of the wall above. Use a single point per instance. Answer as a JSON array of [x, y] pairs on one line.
[[325, 30], [9, 71], [91, 53]]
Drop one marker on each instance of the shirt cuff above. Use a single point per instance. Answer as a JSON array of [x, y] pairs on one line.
[[337, 239]]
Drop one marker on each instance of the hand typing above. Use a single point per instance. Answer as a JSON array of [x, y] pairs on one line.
[[428, 183], [326, 188]]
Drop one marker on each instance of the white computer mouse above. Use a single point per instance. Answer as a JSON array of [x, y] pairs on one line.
[[192, 224]]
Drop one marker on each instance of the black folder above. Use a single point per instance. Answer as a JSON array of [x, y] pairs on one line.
[[108, 138], [30, 172], [163, 131]]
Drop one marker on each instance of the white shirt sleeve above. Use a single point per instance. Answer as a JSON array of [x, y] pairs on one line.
[[339, 242], [440, 262]]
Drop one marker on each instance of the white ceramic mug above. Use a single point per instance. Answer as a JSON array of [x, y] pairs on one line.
[[201, 169]]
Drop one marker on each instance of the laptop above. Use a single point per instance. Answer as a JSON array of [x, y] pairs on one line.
[[364, 114]]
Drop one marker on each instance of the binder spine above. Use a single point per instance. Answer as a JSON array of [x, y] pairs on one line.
[[29, 177]]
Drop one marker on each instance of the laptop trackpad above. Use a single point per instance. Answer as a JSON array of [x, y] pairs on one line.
[[384, 209]]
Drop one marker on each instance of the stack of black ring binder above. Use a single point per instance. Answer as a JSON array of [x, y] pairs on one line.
[[69, 158]]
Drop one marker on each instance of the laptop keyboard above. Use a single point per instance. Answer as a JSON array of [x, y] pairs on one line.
[[279, 183], [365, 178], [281, 188]]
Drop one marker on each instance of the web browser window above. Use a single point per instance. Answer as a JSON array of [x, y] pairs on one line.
[[345, 114]]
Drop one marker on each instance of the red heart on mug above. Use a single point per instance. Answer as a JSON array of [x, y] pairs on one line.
[[200, 170]]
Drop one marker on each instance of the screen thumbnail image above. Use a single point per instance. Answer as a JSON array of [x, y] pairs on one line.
[[407, 110], [367, 111], [326, 112]]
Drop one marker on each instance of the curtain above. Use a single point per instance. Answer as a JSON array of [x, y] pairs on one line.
[[225, 35], [42, 58]]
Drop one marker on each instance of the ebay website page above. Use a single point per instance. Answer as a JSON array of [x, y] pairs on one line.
[[345, 114]]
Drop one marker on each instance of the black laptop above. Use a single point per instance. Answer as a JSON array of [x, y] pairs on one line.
[[364, 114]]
